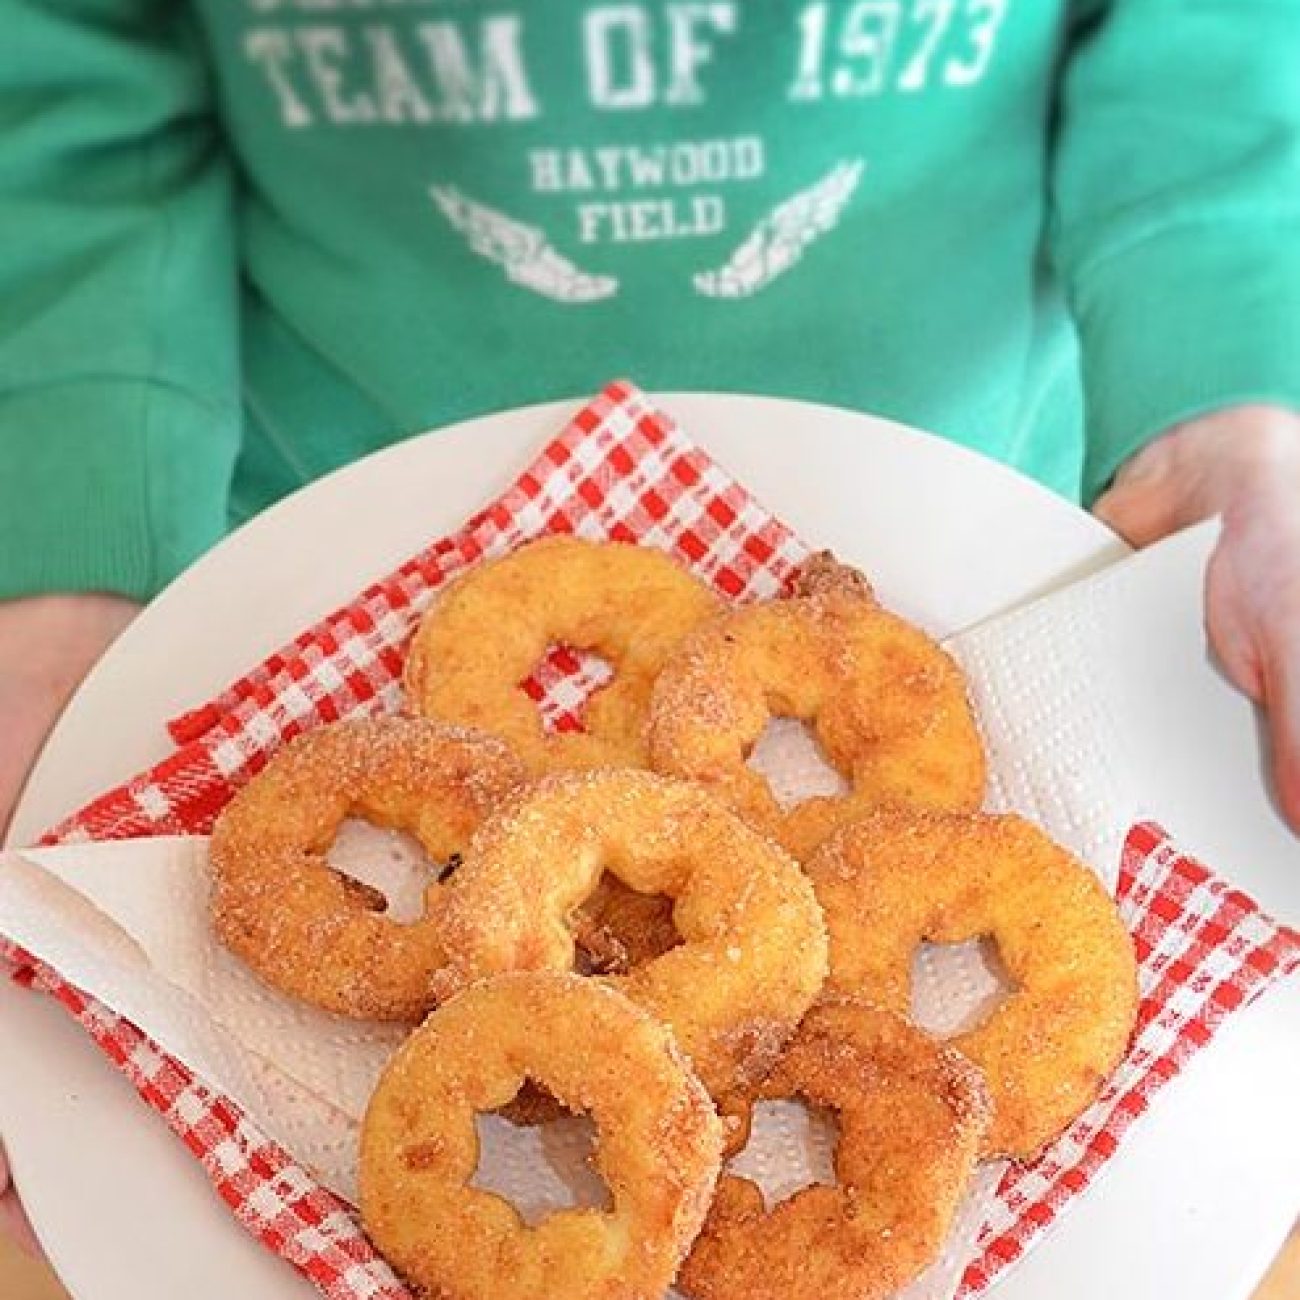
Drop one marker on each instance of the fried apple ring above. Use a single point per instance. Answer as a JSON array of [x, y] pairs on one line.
[[912, 1116], [658, 1150], [752, 955], [631, 605], [888, 706], [900, 878], [311, 931]]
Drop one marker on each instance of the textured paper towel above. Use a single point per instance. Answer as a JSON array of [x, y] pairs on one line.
[[127, 922]]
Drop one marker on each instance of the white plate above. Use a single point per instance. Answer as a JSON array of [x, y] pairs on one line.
[[950, 539]]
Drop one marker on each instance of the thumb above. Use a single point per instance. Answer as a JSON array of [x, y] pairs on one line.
[[1282, 703], [13, 1218], [1139, 514]]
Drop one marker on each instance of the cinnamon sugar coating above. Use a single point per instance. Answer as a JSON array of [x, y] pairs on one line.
[[887, 704], [752, 956], [900, 878], [912, 1114], [311, 931], [658, 1146], [631, 605]]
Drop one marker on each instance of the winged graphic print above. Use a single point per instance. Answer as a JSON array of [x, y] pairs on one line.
[[522, 251], [783, 236]]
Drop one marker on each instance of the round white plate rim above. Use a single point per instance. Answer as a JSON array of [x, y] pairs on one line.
[[64, 1231]]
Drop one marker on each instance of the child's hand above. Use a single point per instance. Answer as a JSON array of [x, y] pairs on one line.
[[13, 1220], [1243, 464], [47, 645]]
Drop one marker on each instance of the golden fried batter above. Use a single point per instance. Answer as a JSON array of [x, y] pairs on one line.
[[304, 927], [629, 604], [753, 950], [822, 573], [900, 878], [658, 1148], [912, 1116], [888, 706]]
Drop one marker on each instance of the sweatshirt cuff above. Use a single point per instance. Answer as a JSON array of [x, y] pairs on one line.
[[1188, 321], [109, 485]]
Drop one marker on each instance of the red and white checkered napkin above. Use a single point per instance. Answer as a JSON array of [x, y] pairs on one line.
[[621, 471], [624, 471]]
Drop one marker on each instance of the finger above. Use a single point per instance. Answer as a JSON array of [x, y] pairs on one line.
[[1282, 702], [16, 756], [1230, 627], [14, 1222], [1138, 515], [15, 1225]]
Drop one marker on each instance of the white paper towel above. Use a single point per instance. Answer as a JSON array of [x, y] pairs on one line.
[[128, 923]]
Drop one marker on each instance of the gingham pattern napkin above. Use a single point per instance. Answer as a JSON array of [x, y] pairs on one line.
[[622, 471]]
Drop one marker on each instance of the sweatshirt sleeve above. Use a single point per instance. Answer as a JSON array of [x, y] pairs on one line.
[[1176, 213], [119, 418]]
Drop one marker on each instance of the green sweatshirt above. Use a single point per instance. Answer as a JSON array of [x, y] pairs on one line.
[[245, 241]]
